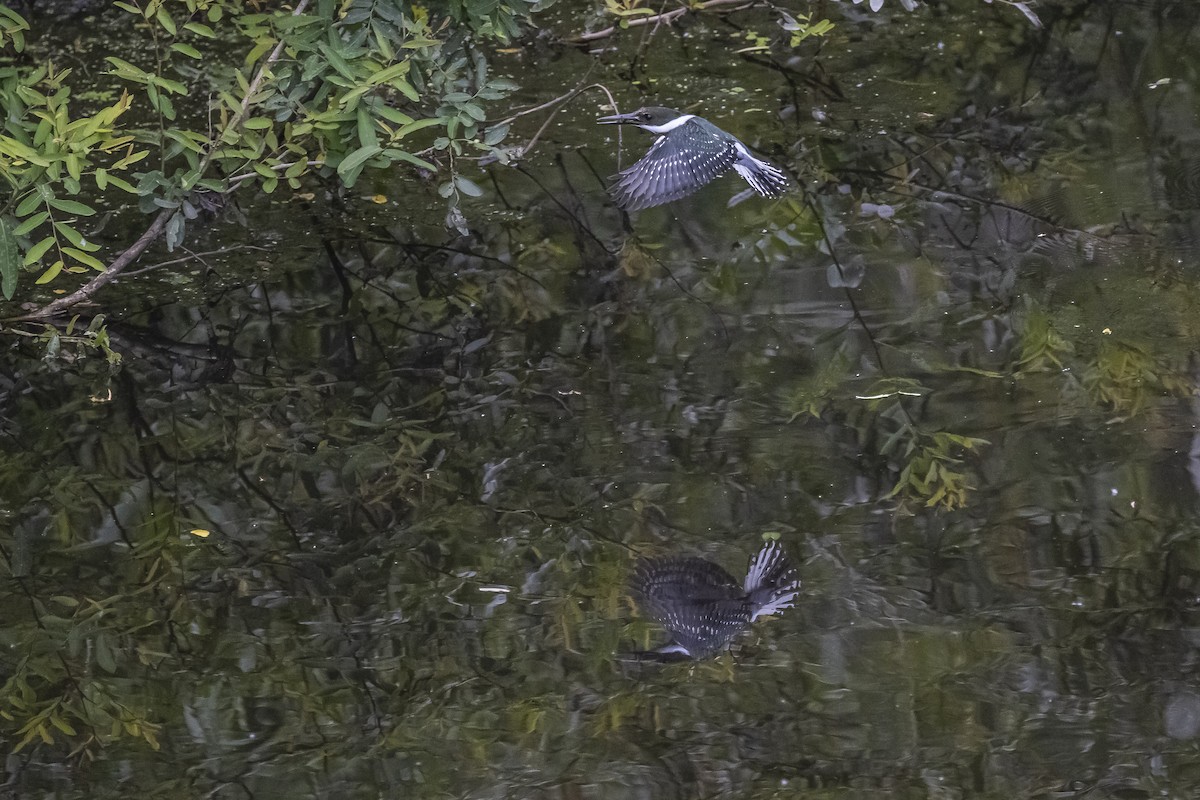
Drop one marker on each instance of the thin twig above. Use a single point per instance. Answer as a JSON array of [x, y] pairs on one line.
[[193, 256], [655, 19], [564, 100]]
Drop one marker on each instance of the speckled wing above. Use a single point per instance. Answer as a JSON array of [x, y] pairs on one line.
[[676, 165], [699, 603]]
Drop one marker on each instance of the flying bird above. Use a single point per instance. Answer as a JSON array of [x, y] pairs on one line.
[[690, 152]]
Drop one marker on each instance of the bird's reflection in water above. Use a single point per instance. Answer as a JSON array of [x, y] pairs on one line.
[[703, 607]]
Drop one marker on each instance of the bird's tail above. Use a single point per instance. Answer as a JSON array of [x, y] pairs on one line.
[[772, 583], [766, 179]]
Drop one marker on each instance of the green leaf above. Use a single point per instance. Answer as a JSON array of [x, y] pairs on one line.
[[174, 232], [51, 273], [387, 74], [187, 50], [400, 155], [165, 20], [10, 258], [126, 70], [366, 129], [171, 86], [27, 206], [405, 88], [494, 135], [17, 149], [393, 116], [74, 237], [122, 184], [71, 207], [338, 62], [35, 253], [467, 187], [352, 164], [200, 29], [416, 125], [62, 725], [85, 258], [103, 651], [130, 159], [31, 222]]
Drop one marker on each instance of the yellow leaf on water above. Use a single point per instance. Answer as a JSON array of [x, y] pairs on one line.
[[203, 534]]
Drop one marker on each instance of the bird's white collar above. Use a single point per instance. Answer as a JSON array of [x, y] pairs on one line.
[[670, 126]]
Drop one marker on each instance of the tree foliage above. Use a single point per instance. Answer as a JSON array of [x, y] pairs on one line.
[[330, 89]]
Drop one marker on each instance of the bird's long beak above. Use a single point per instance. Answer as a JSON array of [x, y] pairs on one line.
[[616, 119]]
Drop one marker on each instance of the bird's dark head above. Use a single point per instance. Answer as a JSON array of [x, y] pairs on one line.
[[651, 118]]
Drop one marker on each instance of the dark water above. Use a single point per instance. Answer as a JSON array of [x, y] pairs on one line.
[[356, 514]]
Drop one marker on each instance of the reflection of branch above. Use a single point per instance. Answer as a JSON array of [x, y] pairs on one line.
[[159, 225], [195, 256], [566, 98], [668, 16], [820, 220]]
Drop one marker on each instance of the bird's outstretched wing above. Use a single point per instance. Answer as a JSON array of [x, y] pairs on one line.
[[674, 167]]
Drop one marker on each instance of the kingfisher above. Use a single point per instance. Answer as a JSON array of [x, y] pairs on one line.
[[690, 152], [703, 607]]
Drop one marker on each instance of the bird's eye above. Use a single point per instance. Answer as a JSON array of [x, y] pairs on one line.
[[645, 115]]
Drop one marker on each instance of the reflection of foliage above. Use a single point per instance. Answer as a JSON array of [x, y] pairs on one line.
[[53, 695], [1117, 374], [1125, 377], [930, 473], [810, 396], [927, 462], [95, 338], [1042, 346]]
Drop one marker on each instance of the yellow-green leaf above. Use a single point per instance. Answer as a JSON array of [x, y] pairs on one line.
[[73, 236], [122, 184], [71, 207], [31, 201], [31, 222], [351, 165], [35, 253], [51, 273], [85, 258], [200, 29], [62, 725], [165, 20], [187, 50]]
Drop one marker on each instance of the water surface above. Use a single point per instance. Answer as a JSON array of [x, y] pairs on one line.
[[356, 514]]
